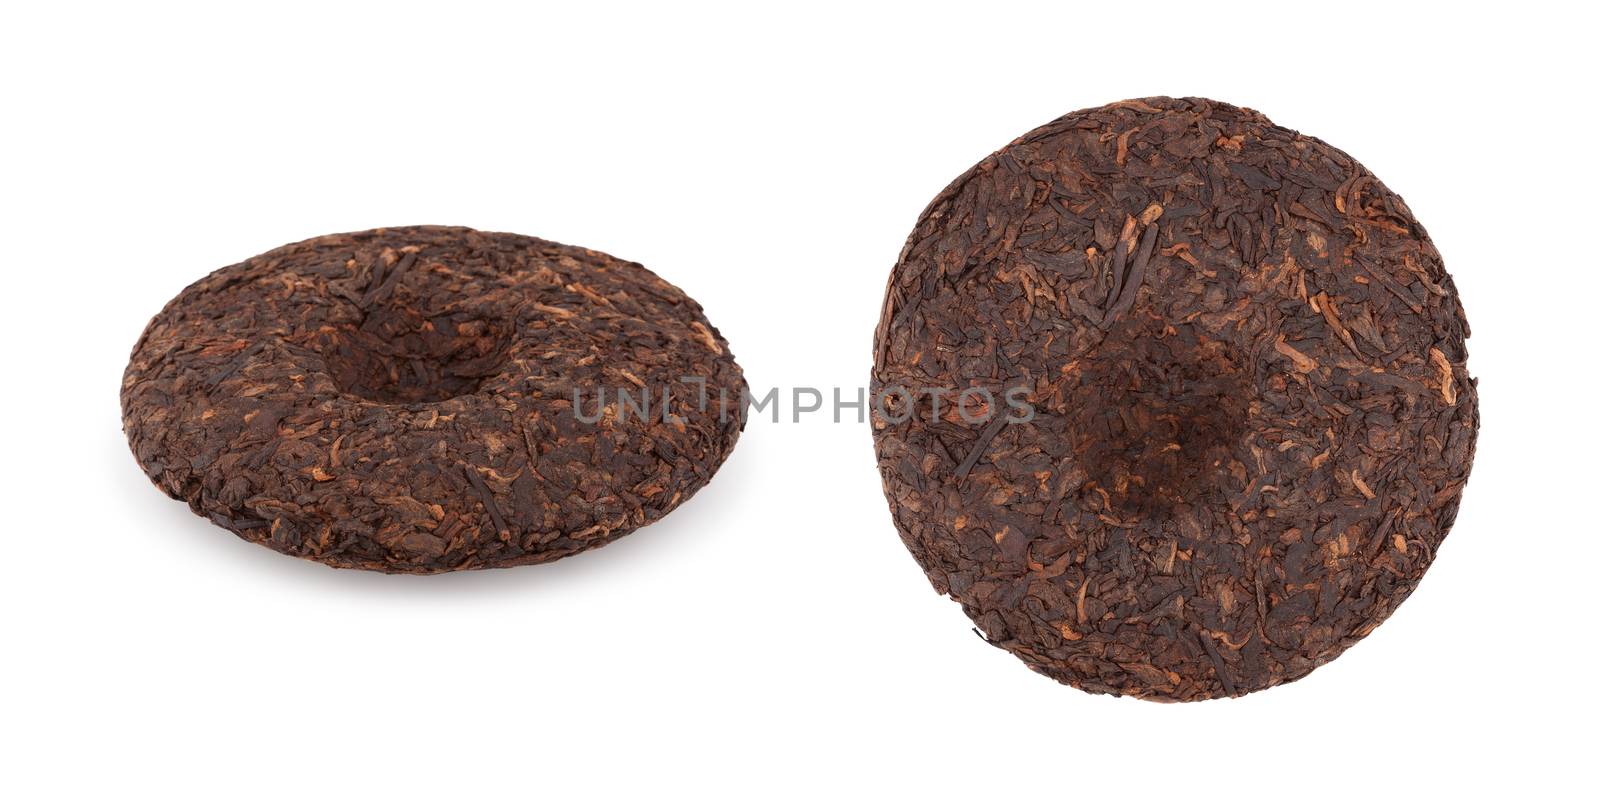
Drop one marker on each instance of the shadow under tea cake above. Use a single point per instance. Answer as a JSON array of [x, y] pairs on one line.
[[1251, 419], [430, 399]]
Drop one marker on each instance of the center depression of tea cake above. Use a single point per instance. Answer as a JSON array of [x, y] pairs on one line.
[[1251, 418]]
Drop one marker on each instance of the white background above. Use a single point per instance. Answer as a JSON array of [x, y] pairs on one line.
[[771, 637]]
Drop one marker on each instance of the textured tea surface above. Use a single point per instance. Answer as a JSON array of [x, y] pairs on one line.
[[402, 399], [1253, 414]]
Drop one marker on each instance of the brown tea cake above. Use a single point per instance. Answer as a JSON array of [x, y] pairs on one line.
[[430, 399], [1251, 414]]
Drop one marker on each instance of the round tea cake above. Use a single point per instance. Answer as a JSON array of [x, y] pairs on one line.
[[1239, 418], [429, 399]]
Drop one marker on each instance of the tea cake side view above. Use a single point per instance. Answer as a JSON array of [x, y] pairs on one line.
[[431, 399]]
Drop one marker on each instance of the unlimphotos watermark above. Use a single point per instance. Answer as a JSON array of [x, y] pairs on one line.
[[894, 404]]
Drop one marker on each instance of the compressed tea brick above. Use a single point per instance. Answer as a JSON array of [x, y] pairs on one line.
[[1251, 414], [403, 399]]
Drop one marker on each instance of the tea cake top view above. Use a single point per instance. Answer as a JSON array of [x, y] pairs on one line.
[[1250, 418]]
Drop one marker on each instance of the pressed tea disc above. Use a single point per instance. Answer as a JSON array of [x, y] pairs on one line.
[[1245, 362], [430, 399]]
